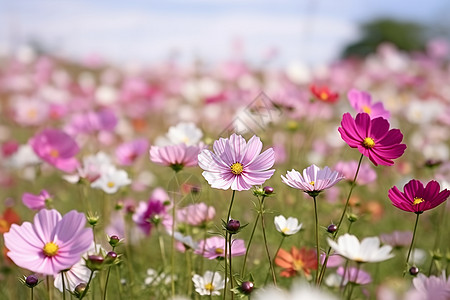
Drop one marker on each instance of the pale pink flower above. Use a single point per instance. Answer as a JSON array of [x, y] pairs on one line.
[[50, 245], [366, 174], [196, 214], [56, 148], [127, 153], [36, 202], [354, 275], [214, 247], [237, 164], [362, 102], [175, 156]]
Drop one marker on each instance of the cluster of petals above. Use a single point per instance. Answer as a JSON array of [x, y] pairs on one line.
[[196, 214], [313, 180], [128, 152], [297, 260], [155, 207], [175, 156], [362, 102], [209, 284], [397, 238], [236, 164], [287, 226], [417, 198], [355, 275], [432, 287], [52, 244], [36, 202], [372, 138], [85, 123], [324, 94], [214, 247], [56, 148], [366, 174], [368, 250]]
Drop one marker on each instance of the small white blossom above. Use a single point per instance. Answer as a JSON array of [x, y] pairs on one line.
[[287, 226], [210, 284]]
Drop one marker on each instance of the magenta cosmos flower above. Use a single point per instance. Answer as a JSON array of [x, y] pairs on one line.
[[56, 148], [50, 245], [373, 138], [214, 247], [362, 102], [175, 156], [236, 164], [313, 181], [416, 198]]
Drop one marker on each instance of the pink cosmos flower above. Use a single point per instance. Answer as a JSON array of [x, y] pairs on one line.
[[416, 198], [103, 120], [127, 153], [156, 207], [175, 156], [50, 245], [236, 164], [354, 275], [214, 247], [196, 214], [433, 287], [373, 138], [56, 148], [362, 102], [36, 202], [397, 238], [314, 180], [348, 169]]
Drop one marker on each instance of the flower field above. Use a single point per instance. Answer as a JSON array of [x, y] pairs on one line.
[[226, 181]]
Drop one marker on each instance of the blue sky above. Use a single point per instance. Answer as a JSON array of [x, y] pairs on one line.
[[310, 31]]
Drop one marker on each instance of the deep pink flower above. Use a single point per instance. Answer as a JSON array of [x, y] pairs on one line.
[[417, 199], [56, 148], [175, 156], [36, 202], [314, 180], [236, 164], [154, 210], [50, 245], [362, 102], [373, 138], [196, 214], [348, 169], [127, 153], [214, 247]]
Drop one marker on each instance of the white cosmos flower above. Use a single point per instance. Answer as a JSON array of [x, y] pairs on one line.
[[210, 284], [186, 240], [368, 250], [287, 226], [183, 133], [299, 290], [111, 180]]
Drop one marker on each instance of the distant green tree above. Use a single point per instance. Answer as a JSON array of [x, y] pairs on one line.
[[407, 36]]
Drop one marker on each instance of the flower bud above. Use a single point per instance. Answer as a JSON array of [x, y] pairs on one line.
[[95, 262], [268, 190], [247, 287], [110, 257], [79, 289], [92, 218], [233, 226], [332, 228], [352, 217], [414, 270], [31, 281], [114, 240]]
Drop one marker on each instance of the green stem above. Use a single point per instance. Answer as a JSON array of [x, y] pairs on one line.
[[49, 291], [274, 257], [32, 296], [87, 285], [231, 271], [261, 212], [189, 272], [172, 254], [358, 266], [248, 246], [316, 217], [324, 267], [412, 244], [106, 283], [226, 240], [63, 286], [161, 247], [341, 285], [441, 219]]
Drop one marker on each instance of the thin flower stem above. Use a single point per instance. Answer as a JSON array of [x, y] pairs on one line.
[[63, 286], [261, 212], [172, 254], [441, 219], [226, 240], [93, 235], [358, 267], [316, 217], [231, 271], [32, 295], [248, 246], [205, 234], [189, 272], [161, 247], [49, 291], [324, 267], [87, 285], [276, 253], [341, 285], [106, 283], [412, 244]]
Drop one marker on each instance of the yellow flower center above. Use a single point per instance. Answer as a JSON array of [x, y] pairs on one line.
[[50, 249], [32, 113], [284, 230], [54, 153], [324, 96], [367, 109], [209, 287], [219, 250], [312, 183], [369, 142], [298, 264], [110, 184], [237, 168], [418, 200]]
